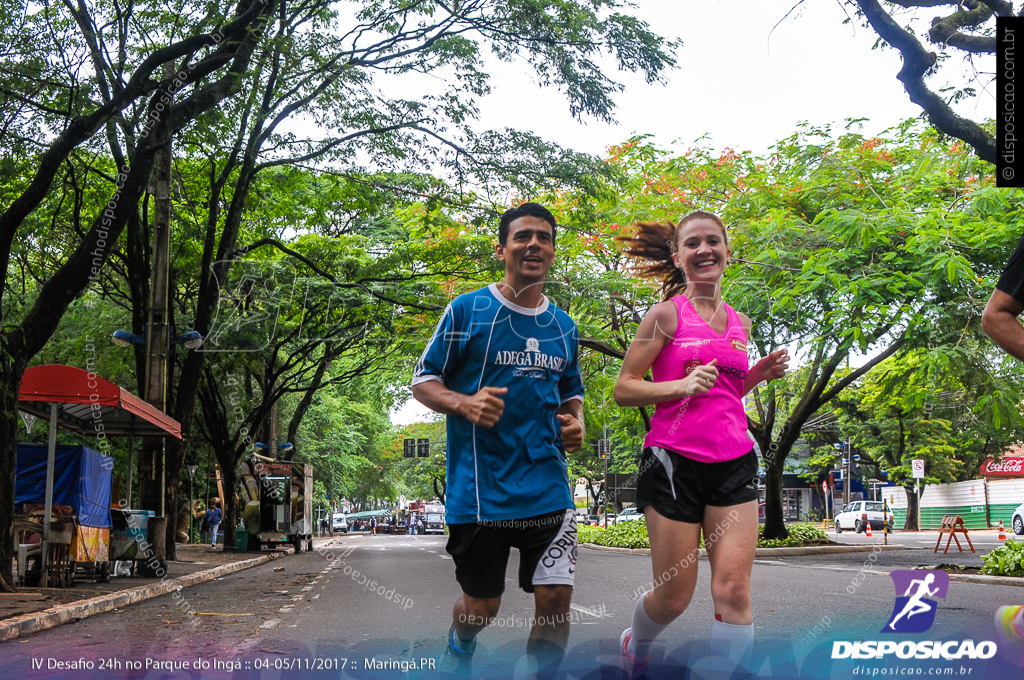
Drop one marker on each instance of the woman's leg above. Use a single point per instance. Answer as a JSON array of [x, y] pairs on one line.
[[674, 557], [730, 536]]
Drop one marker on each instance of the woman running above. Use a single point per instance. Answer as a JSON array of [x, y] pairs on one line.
[[698, 469]]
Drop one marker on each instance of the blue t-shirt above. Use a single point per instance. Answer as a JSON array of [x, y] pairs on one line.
[[517, 468]]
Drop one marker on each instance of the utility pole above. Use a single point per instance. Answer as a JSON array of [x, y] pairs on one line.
[[273, 431], [847, 469], [154, 455]]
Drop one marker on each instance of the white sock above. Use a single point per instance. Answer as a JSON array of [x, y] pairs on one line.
[[734, 642], [643, 632]]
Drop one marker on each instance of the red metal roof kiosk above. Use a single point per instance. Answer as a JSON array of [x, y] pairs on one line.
[[75, 399]]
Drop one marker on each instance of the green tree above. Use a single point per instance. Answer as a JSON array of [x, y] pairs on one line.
[[846, 250], [920, 406], [307, 58], [106, 121]]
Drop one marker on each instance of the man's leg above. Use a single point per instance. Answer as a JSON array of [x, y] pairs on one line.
[[550, 633], [471, 615], [481, 556]]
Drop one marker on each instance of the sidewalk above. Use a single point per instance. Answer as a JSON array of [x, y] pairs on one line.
[[33, 609]]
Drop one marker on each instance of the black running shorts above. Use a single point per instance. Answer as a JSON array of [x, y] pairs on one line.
[[547, 552], [680, 488]]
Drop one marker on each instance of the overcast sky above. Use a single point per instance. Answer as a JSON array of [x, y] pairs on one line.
[[738, 82]]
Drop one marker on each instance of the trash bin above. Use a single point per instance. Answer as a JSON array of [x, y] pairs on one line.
[[241, 540], [129, 535]]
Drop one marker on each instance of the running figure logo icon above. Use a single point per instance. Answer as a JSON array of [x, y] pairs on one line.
[[914, 613]]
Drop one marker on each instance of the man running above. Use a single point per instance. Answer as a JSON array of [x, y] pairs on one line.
[[914, 604], [508, 486]]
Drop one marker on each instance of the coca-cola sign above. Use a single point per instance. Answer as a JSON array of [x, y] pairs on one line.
[[1007, 467]]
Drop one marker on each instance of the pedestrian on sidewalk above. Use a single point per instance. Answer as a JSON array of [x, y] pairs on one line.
[[698, 471], [507, 347], [213, 519]]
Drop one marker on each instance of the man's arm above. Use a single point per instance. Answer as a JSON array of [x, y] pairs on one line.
[[570, 415], [1000, 322], [483, 408]]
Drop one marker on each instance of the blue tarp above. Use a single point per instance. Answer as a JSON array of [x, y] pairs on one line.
[[81, 479]]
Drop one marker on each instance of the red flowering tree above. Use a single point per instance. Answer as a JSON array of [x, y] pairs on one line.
[[846, 250]]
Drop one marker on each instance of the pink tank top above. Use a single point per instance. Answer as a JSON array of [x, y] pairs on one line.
[[710, 427]]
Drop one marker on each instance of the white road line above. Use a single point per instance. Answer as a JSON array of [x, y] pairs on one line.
[[824, 567]]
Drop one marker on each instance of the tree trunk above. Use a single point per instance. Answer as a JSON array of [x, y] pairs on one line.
[[10, 372], [910, 524], [774, 524], [230, 507]]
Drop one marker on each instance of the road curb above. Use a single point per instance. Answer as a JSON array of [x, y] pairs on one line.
[[988, 580], [769, 552], [34, 622]]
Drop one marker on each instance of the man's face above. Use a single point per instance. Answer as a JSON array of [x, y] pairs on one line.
[[529, 251]]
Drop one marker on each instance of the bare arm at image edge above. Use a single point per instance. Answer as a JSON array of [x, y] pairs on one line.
[[1007, 302], [1001, 324]]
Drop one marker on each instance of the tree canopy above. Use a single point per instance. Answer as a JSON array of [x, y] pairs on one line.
[[962, 35]]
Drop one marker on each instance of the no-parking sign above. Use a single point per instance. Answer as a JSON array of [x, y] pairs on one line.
[[917, 466]]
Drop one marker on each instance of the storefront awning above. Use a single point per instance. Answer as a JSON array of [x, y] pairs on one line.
[[84, 401]]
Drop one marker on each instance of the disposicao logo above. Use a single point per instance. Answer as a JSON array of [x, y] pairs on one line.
[[914, 612]]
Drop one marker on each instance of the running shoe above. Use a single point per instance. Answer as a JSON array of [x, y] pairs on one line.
[[456, 663], [630, 668]]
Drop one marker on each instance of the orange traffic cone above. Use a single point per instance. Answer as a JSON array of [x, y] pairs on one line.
[[1002, 531], [869, 530]]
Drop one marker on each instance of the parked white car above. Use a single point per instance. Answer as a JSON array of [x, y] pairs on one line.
[[628, 515], [1018, 520], [858, 513]]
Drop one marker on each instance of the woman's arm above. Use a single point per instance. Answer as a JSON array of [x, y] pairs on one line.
[[770, 368], [656, 329]]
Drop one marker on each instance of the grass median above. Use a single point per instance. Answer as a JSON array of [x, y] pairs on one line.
[[633, 534]]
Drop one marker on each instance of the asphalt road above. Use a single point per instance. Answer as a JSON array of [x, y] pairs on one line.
[[983, 540], [319, 613]]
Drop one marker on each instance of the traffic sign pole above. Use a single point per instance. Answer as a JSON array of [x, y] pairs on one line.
[[917, 470]]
